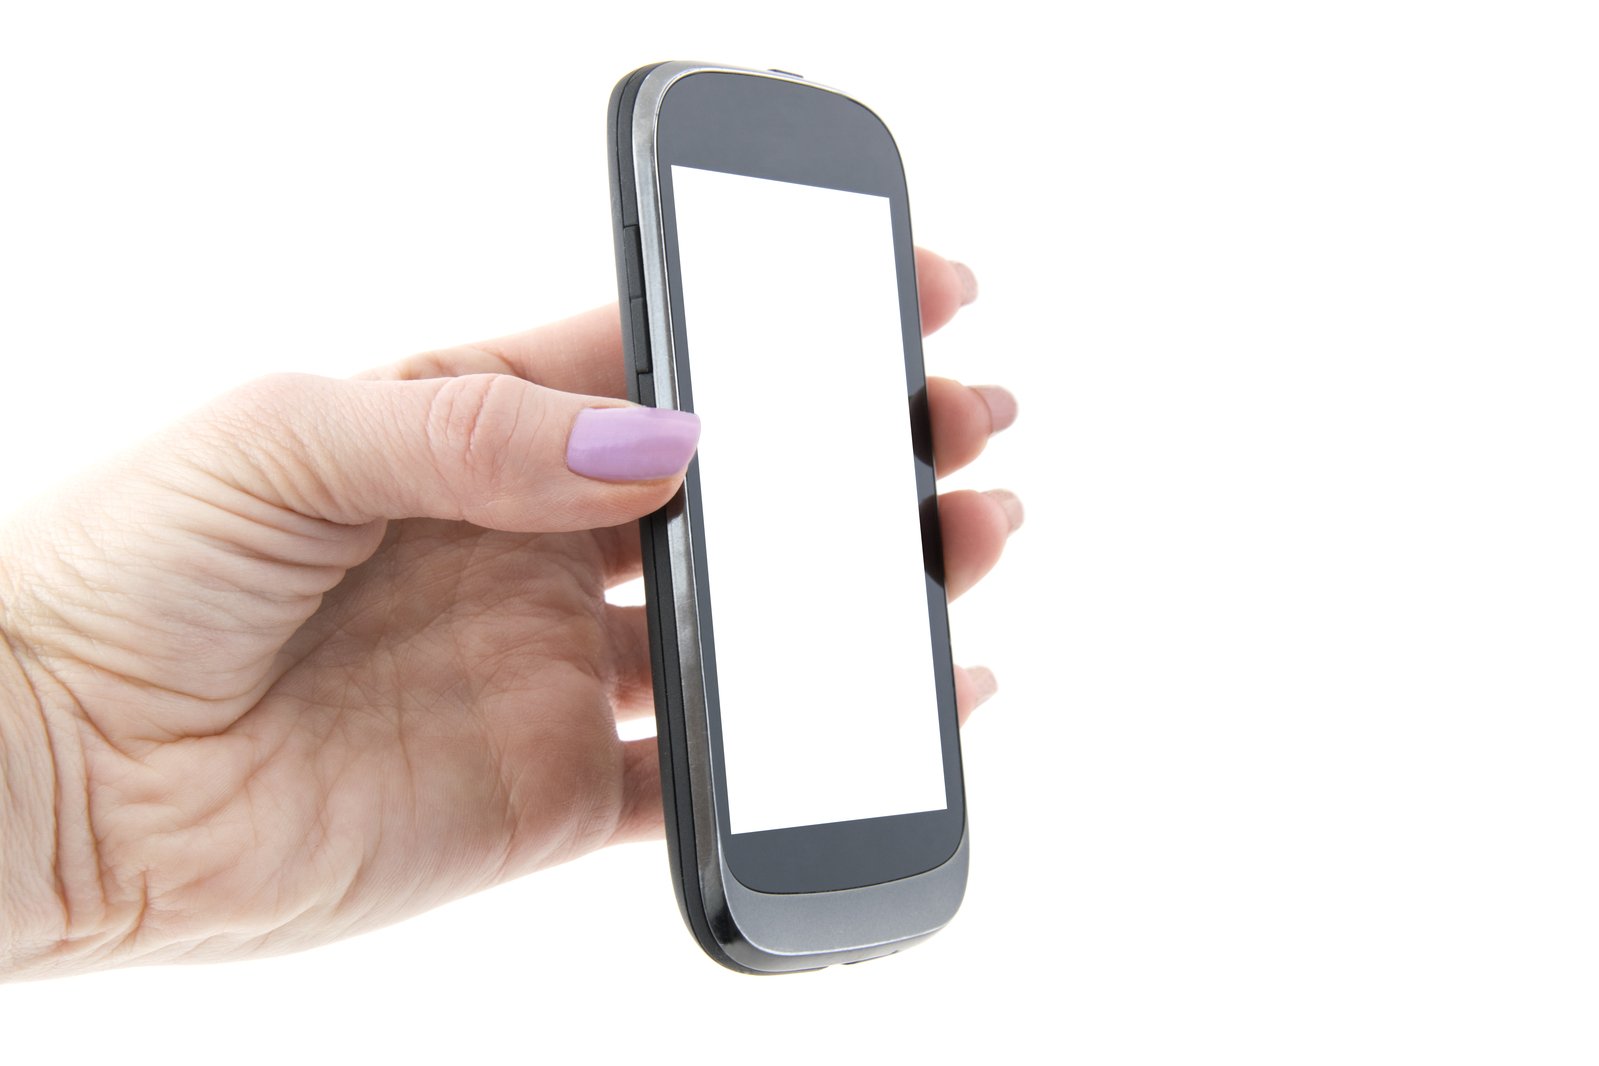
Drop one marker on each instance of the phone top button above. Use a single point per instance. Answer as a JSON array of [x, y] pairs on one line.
[[790, 73]]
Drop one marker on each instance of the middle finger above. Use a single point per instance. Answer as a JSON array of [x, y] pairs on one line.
[[963, 418], [975, 525]]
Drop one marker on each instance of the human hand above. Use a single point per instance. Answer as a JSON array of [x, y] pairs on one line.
[[328, 653]]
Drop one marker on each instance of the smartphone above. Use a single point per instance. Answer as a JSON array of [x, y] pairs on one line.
[[799, 637]]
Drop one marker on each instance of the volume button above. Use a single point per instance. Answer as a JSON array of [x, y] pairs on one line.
[[633, 259], [640, 335]]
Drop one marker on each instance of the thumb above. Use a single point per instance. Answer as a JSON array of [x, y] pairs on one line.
[[490, 449]]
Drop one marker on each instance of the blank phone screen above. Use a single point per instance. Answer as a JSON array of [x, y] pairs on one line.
[[811, 524]]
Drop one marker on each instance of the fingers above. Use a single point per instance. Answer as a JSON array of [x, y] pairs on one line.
[[485, 448], [583, 353], [943, 287], [973, 687], [632, 688], [976, 526], [641, 817], [620, 553], [964, 417]]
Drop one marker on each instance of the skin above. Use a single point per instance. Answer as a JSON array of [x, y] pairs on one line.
[[328, 653]]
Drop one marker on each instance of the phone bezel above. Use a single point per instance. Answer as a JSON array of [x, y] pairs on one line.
[[868, 906], [789, 131]]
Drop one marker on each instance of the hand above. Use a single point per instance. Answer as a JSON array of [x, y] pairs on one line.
[[329, 653]]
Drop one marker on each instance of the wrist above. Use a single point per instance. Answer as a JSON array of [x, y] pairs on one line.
[[55, 913]]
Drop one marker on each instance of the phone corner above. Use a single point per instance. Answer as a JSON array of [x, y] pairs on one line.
[[760, 932]]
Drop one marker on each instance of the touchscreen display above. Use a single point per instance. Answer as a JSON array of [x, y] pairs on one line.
[[812, 531]]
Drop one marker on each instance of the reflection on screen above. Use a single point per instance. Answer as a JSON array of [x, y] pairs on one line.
[[812, 535]]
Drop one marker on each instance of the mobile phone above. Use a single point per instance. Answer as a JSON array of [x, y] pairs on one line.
[[799, 637]]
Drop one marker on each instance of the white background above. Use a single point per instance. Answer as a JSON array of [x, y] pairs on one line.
[[1294, 759], [849, 730]]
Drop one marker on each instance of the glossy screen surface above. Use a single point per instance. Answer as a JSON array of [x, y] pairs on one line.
[[823, 653]]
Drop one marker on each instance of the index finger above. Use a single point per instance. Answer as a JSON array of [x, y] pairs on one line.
[[584, 353]]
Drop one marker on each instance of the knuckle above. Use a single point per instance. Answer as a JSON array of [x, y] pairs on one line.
[[258, 438], [475, 423], [256, 415], [264, 398]]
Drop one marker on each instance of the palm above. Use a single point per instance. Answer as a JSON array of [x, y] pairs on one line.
[[449, 724]]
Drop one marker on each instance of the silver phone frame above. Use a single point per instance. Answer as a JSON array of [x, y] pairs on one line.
[[763, 931]]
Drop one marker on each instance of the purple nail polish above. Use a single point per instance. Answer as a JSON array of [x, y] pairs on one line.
[[631, 443]]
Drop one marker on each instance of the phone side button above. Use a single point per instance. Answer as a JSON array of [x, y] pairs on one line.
[[633, 257], [640, 335], [643, 386]]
